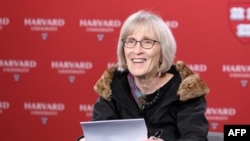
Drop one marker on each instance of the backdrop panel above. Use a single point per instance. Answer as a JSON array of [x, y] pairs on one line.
[[52, 53]]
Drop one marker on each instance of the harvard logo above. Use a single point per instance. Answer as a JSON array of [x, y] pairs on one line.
[[239, 21]]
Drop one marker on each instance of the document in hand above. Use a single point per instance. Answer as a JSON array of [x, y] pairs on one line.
[[115, 130]]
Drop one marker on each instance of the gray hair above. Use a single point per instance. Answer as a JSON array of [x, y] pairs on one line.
[[163, 35]]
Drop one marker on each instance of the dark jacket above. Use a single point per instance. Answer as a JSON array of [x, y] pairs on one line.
[[178, 112]]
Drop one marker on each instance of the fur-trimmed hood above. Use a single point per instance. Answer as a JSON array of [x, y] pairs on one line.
[[192, 85]]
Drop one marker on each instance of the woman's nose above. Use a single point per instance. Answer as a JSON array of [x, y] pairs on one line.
[[138, 46]]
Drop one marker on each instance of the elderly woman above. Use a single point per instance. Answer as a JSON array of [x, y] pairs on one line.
[[146, 83]]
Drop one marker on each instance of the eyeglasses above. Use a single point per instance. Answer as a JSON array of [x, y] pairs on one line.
[[145, 43]]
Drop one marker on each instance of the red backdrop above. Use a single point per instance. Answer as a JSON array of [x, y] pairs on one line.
[[52, 53]]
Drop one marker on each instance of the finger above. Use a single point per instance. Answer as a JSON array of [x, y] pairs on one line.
[[152, 138]]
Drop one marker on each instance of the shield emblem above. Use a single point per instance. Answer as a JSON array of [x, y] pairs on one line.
[[239, 21]]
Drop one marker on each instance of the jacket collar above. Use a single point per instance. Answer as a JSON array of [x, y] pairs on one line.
[[192, 85]]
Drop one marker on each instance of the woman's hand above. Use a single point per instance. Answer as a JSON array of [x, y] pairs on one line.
[[153, 138], [82, 139]]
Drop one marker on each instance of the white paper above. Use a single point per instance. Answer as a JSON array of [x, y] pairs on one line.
[[115, 130]]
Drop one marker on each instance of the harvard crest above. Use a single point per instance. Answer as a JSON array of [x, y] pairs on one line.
[[239, 21]]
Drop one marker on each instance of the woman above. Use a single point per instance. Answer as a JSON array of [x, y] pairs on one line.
[[147, 84]]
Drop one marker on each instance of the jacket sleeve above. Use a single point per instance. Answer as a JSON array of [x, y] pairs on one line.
[[191, 120], [105, 110]]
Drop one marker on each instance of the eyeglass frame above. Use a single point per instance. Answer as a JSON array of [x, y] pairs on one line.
[[124, 42]]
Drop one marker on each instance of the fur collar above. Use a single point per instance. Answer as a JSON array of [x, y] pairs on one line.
[[192, 85]]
